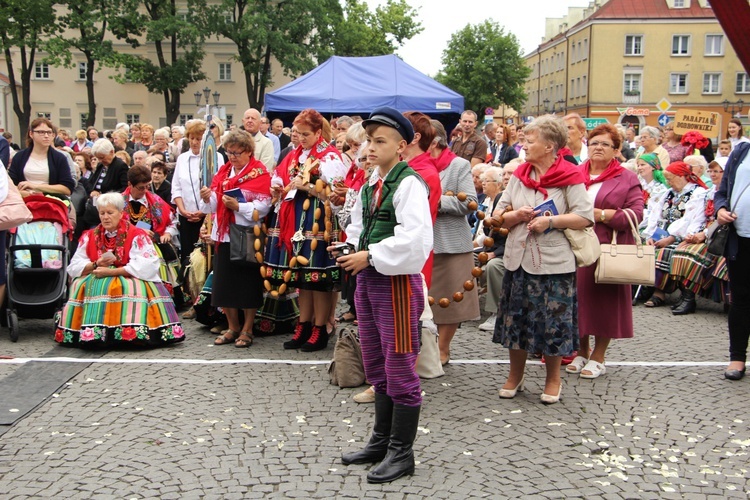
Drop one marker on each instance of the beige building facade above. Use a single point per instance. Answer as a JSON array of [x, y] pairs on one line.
[[59, 93], [623, 59]]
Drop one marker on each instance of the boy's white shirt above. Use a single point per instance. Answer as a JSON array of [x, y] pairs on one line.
[[408, 249]]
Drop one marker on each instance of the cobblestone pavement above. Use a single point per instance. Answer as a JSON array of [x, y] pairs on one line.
[[277, 430]]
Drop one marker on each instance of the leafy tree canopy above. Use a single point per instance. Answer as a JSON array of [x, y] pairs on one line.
[[366, 33], [486, 66]]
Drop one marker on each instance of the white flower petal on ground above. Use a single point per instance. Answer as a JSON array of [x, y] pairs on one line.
[[467, 453], [301, 419], [424, 430], [556, 424], [14, 410]]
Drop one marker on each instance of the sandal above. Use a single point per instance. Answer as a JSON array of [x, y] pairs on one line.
[[654, 301], [347, 317], [244, 340], [226, 337], [576, 365], [594, 368]]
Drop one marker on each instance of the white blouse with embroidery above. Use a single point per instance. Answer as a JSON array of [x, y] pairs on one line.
[[143, 263]]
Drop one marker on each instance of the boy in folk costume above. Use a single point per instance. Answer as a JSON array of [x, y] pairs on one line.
[[391, 229]]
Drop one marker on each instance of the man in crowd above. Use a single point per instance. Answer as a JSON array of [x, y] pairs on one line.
[[489, 138], [265, 126], [471, 146], [277, 127], [263, 145]]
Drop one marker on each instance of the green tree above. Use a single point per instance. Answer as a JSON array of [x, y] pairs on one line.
[[86, 22], [366, 33], [486, 66], [24, 28], [297, 33], [178, 44]]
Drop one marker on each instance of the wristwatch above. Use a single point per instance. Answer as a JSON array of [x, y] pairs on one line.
[[369, 259]]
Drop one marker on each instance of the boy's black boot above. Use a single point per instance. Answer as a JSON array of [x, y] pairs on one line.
[[377, 447], [399, 460]]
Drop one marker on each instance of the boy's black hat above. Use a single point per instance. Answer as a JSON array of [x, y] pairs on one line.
[[392, 118]]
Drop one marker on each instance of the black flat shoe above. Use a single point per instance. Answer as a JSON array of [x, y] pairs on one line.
[[734, 374]]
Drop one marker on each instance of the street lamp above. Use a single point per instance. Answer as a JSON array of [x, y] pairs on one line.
[[561, 103], [736, 107], [199, 96]]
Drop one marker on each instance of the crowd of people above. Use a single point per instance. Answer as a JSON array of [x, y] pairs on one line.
[[388, 211]]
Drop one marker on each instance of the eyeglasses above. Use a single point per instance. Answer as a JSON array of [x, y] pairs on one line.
[[44, 132], [604, 145], [235, 153]]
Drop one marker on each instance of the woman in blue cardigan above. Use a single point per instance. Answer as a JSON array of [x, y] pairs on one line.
[[40, 168]]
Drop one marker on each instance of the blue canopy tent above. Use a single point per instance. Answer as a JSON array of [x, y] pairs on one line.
[[358, 85]]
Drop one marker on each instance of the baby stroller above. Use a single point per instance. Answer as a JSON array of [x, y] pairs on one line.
[[37, 262]]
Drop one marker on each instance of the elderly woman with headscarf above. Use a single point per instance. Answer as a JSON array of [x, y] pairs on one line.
[[692, 267], [538, 310], [116, 297], [653, 183], [679, 212]]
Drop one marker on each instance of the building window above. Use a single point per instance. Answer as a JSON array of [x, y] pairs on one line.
[[41, 71], [743, 84], [82, 67], [584, 89], [633, 45], [681, 45], [680, 4], [225, 72], [714, 45], [132, 118], [632, 84], [678, 83], [573, 88], [585, 54], [711, 83], [185, 117]]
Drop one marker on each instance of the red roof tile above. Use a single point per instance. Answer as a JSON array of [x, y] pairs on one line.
[[649, 9]]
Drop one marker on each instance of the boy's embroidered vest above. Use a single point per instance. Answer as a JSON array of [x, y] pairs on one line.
[[379, 222]]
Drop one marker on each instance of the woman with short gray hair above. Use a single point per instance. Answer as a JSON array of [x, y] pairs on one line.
[[650, 142]]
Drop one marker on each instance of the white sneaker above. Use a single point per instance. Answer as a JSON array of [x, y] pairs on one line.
[[489, 325]]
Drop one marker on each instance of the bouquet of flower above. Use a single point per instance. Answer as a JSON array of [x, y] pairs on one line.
[[694, 140]]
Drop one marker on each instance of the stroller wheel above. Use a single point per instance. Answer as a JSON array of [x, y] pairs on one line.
[[13, 325]]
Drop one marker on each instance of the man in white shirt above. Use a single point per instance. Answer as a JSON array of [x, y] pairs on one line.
[[263, 145]]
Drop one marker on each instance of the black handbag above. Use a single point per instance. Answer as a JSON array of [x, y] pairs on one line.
[[716, 238], [245, 246], [717, 235]]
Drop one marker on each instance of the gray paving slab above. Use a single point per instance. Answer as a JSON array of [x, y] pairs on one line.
[[276, 430]]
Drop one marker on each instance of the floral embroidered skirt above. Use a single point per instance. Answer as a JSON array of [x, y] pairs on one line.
[[113, 311], [538, 313]]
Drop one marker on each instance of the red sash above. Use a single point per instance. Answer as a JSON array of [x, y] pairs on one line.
[[252, 177], [613, 170], [119, 245], [562, 173]]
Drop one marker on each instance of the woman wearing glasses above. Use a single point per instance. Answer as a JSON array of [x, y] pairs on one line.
[[611, 188], [40, 168]]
